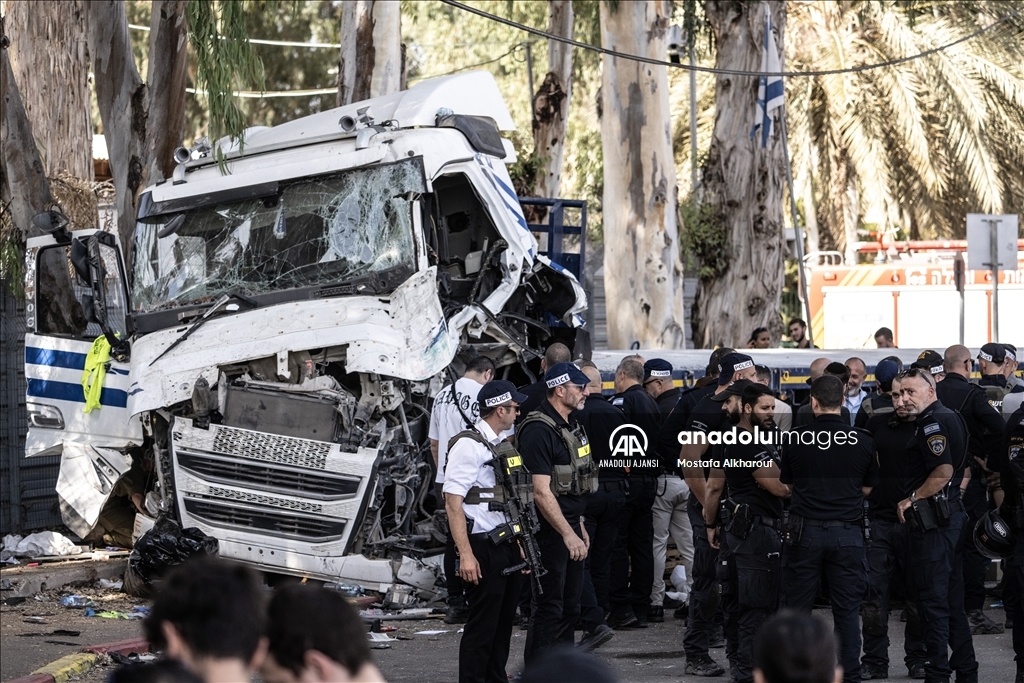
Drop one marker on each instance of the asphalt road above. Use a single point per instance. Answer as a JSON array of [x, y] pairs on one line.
[[650, 655]]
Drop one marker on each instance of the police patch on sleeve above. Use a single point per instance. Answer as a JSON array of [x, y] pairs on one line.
[[931, 428], [937, 444]]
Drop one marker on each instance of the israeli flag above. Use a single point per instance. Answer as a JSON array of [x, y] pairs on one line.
[[770, 91]]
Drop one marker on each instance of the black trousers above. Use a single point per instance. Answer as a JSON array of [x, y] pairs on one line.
[[703, 598], [838, 553], [483, 652], [889, 565], [751, 574], [453, 582], [632, 565], [1015, 579], [602, 521], [554, 614], [937, 564], [975, 500]]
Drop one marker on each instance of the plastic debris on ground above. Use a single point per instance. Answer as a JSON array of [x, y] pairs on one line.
[[75, 601], [678, 579], [430, 633], [111, 585], [161, 548], [111, 614], [40, 544]]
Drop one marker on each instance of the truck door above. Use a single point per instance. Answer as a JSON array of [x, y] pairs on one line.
[[75, 291]]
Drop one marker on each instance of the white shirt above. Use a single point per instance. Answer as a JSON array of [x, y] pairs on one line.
[[446, 421], [467, 468], [853, 403], [783, 415]]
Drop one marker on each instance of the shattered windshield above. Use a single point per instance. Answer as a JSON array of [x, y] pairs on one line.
[[314, 231]]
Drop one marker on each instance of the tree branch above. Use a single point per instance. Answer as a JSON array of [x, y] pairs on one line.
[[168, 62]]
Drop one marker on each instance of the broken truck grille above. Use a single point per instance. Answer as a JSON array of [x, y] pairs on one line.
[[284, 523], [274, 479]]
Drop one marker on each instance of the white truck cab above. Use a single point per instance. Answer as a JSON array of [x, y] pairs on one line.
[[281, 321]]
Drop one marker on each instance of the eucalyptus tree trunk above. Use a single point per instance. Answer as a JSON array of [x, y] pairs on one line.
[[370, 64], [551, 102], [49, 55], [643, 272], [142, 121], [743, 185]]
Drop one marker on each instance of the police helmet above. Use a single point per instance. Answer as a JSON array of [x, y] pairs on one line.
[[993, 537]]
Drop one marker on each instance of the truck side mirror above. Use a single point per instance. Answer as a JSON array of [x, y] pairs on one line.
[[53, 222]]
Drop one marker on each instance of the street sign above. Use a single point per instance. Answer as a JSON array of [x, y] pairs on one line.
[[979, 241]]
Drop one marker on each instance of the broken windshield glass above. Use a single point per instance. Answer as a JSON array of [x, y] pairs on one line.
[[316, 231]]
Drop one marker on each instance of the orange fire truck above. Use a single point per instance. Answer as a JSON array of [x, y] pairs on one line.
[[911, 289]]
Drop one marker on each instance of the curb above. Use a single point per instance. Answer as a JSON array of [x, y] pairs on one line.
[[78, 663]]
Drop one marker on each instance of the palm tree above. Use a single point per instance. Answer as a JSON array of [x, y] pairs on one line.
[[917, 144]]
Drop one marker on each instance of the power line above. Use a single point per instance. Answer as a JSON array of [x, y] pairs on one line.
[[259, 95], [517, 46], [708, 69]]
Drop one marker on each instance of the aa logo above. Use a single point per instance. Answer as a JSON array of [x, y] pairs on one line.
[[628, 441]]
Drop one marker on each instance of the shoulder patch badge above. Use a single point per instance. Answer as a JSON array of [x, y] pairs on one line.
[[932, 428], [617, 401], [937, 444]]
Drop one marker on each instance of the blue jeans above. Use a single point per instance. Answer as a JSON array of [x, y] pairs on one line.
[[836, 552]]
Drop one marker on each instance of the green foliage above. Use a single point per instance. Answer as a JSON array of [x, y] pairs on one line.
[[527, 168], [703, 234]]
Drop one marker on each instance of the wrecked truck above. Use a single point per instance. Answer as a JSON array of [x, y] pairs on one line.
[[278, 326]]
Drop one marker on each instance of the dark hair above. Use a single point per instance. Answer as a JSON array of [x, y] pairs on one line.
[[798, 321], [795, 648], [160, 671], [763, 372], [754, 392], [838, 370], [716, 358], [828, 390], [480, 365], [757, 331], [633, 369], [557, 353], [216, 606], [566, 664], [309, 618], [897, 360], [884, 332]]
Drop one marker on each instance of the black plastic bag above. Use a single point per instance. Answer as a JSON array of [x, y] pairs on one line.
[[164, 546]]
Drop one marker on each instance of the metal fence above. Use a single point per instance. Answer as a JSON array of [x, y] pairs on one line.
[[28, 498]]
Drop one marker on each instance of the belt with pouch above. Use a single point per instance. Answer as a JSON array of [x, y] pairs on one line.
[[831, 523], [770, 522]]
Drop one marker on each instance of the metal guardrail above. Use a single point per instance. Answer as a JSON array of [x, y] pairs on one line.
[[557, 229]]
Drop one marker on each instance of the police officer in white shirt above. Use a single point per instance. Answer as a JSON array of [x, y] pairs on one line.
[[483, 550], [448, 418]]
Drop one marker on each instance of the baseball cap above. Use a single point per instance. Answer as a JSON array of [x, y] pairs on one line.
[[993, 353], [1011, 351], [886, 371], [565, 373], [731, 364], [497, 392], [734, 389], [929, 360], [657, 368]]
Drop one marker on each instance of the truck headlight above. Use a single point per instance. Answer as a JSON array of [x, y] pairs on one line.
[[44, 416]]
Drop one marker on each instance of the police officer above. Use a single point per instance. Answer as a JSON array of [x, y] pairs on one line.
[[991, 359], [599, 419], [831, 467], [1009, 462], [556, 452], [880, 403], [1015, 398], [632, 576], [888, 552], [985, 430], [706, 419], [670, 502], [751, 548], [470, 488], [937, 456]]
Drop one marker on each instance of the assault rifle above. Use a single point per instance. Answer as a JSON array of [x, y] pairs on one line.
[[523, 521]]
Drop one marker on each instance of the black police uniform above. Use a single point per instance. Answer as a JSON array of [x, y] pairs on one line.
[[707, 416], [535, 395], [985, 431], [803, 415], [667, 400], [936, 554], [632, 575], [1012, 511], [555, 613], [876, 404], [599, 419], [829, 503], [676, 420], [888, 552], [750, 558]]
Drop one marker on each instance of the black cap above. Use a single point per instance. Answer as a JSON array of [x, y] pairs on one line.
[[930, 361], [731, 364], [499, 392], [993, 353], [1011, 351], [565, 373], [657, 368], [886, 371], [734, 389]]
